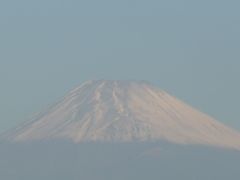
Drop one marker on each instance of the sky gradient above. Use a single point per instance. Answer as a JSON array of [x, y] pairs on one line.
[[190, 49]]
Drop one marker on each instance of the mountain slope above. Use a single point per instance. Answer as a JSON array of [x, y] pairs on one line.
[[61, 160], [123, 111]]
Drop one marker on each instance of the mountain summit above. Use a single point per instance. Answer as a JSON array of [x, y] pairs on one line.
[[123, 111]]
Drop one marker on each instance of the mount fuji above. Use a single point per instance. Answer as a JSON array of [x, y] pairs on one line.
[[123, 111], [124, 129]]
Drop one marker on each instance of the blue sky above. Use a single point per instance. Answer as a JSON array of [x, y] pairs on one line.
[[190, 49]]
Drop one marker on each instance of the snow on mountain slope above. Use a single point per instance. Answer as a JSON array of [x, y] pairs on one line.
[[123, 111]]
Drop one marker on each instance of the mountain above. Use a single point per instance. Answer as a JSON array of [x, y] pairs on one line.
[[124, 129], [123, 111]]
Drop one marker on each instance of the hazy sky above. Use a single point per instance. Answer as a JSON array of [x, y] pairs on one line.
[[191, 49]]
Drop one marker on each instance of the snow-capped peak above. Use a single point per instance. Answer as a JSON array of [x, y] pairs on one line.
[[123, 111]]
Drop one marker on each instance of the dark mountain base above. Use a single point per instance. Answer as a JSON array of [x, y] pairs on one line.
[[63, 160]]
